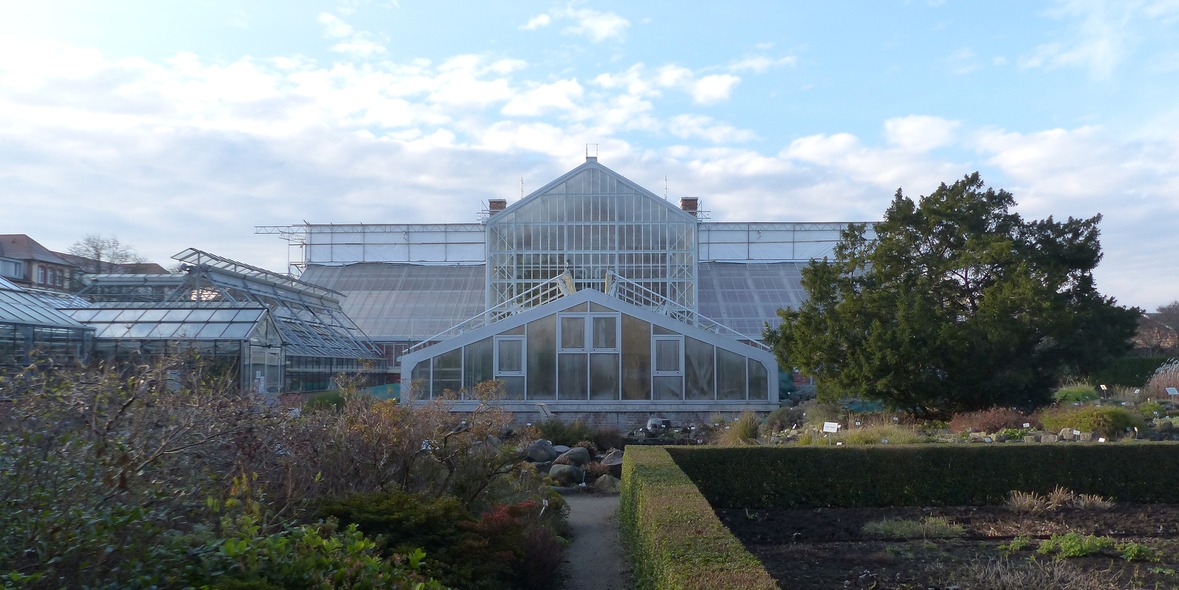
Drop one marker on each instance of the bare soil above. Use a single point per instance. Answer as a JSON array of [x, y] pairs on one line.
[[825, 548]]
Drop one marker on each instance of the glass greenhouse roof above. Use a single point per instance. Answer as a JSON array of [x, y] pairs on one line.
[[391, 301], [20, 307], [746, 296], [172, 321]]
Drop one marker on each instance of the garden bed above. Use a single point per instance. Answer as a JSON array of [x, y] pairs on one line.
[[823, 548]]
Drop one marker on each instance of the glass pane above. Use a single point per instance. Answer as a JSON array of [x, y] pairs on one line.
[[419, 385], [698, 370], [667, 355], [605, 332], [667, 388], [517, 331], [513, 387], [572, 376], [448, 374], [758, 380], [636, 358], [572, 332], [511, 355], [730, 375], [542, 358], [604, 377], [477, 363]]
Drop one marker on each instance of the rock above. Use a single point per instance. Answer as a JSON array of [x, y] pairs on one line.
[[608, 484], [1031, 438], [578, 456], [561, 448], [1048, 438], [1065, 434], [541, 451], [1085, 437], [567, 474], [613, 462]]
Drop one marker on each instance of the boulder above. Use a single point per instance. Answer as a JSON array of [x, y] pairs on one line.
[[1065, 434], [541, 451], [567, 475], [1048, 438], [578, 456], [561, 448], [608, 484], [613, 462]]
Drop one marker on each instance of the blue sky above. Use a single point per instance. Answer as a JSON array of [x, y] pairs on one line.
[[176, 125]]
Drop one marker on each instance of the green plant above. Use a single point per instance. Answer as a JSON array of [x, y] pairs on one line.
[[783, 419], [1070, 394], [1074, 544], [1108, 421], [930, 527], [1132, 551], [1019, 543], [742, 431]]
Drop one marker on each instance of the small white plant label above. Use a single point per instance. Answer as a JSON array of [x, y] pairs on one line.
[[830, 427], [1172, 391]]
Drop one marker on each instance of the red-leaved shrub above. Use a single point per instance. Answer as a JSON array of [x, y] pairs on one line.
[[989, 420]]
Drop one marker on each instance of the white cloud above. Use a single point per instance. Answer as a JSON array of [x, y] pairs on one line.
[[699, 126], [558, 96], [353, 43], [539, 21], [593, 25], [713, 88], [759, 64], [919, 133]]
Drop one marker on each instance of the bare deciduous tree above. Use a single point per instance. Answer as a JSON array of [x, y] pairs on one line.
[[101, 253]]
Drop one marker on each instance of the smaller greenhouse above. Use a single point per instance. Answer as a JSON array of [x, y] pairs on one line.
[[591, 352], [30, 330], [236, 339]]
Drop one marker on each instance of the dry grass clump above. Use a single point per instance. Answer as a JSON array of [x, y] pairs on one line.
[[742, 431], [1042, 574], [1059, 497], [1165, 376], [930, 527]]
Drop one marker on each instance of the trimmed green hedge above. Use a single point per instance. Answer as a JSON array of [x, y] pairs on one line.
[[925, 475], [674, 537]]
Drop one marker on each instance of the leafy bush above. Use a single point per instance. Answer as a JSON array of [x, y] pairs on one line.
[[990, 420], [783, 419], [1108, 421], [1080, 392], [575, 433], [1074, 544]]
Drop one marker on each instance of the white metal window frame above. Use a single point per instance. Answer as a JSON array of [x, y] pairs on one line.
[[679, 359], [520, 339]]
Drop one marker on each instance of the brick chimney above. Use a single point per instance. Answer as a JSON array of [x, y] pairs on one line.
[[691, 205], [496, 205]]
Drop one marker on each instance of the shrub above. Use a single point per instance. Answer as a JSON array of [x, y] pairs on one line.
[[1109, 421], [990, 420], [1079, 392], [783, 419], [577, 433], [327, 400]]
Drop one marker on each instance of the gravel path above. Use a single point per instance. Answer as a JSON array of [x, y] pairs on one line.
[[595, 560]]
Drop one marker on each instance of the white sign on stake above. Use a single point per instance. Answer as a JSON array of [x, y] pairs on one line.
[[830, 427], [1172, 391]]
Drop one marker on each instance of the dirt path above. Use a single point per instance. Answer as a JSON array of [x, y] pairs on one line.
[[595, 560]]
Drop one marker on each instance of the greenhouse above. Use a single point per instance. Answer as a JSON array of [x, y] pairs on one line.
[[290, 336], [32, 330], [591, 295]]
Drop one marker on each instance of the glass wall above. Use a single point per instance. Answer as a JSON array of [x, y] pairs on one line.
[[592, 222], [590, 353]]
